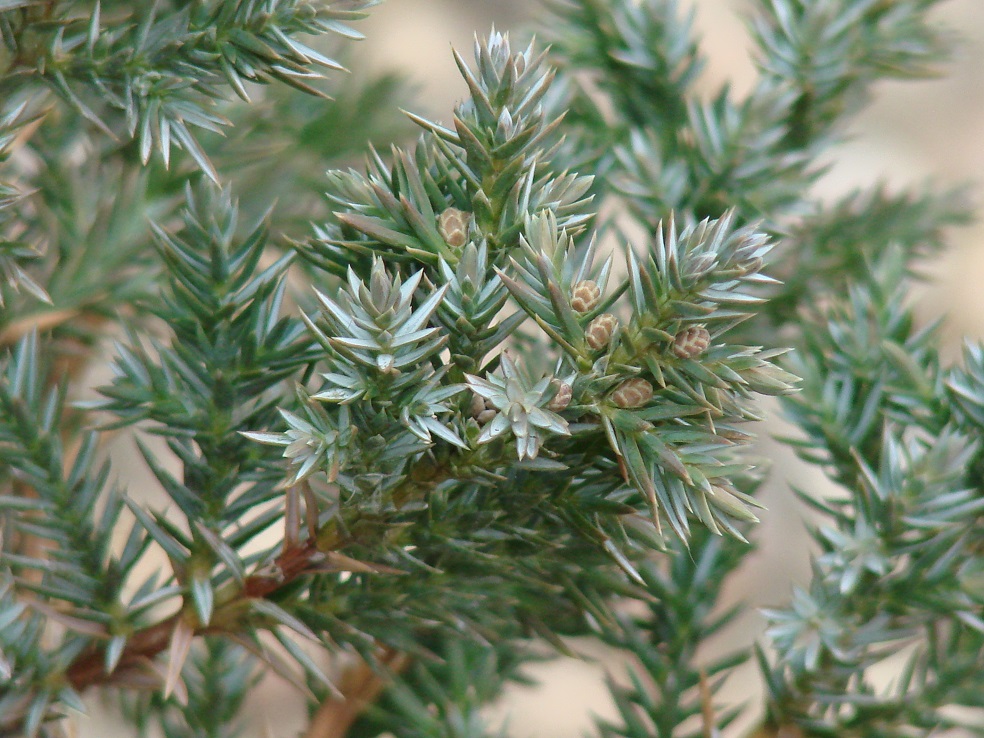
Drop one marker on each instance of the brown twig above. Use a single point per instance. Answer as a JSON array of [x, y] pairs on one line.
[[360, 686], [89, 669], [707, 707], [318, 553], [39, 321]]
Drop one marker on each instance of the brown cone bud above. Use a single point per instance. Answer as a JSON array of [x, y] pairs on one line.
[[585, 295], [563, 397], [452, 224], [691, 342], [481, 409], [599, 331], [632, 393]]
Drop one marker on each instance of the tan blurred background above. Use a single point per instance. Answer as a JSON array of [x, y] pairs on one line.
[[913, 132]]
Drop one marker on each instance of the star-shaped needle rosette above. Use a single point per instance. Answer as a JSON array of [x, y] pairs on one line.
[[521, 407], [318, 443]]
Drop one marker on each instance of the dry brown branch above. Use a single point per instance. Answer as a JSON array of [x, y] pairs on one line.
[[707, 707], [41, 321], [360, 686], [89, 670]]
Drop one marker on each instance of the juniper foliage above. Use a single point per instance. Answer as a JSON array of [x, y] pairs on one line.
[[404, 437]]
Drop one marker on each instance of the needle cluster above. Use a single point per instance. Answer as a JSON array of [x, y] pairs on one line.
[[407, 438]]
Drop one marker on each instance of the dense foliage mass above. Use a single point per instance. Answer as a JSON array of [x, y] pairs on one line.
[[405, 434]]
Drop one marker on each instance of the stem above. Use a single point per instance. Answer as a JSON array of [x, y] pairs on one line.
[[41, 321], [296, 560], [89, 668], [361, 685]]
